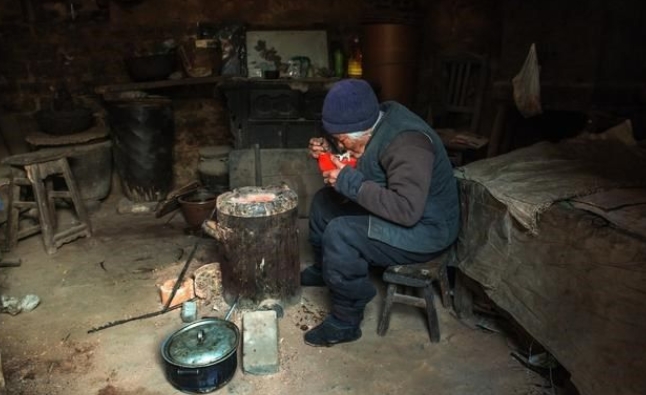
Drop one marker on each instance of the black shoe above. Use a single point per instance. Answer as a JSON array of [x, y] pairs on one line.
[[312, 276], [332, 331]]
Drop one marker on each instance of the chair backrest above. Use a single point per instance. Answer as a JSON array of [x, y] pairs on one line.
[[463, 78]]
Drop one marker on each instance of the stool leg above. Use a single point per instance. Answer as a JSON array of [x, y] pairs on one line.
[[444, 287], [76, 196], [384, 322], [49, 187], [34, 175], [431, 315], [13, 217]]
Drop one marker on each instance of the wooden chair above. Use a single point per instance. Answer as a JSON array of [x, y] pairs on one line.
[[455, 113], [41, 167], [421, 278]]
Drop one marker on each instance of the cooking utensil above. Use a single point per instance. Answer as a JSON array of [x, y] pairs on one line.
[[202, 356]]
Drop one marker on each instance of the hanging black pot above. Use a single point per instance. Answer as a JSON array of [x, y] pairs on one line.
[[203, 356]]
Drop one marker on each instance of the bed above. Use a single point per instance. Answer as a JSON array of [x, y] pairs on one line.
[[556, 236]]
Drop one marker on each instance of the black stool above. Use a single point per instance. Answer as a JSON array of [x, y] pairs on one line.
[[420, 277]]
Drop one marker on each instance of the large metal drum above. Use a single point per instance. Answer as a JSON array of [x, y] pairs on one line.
[[143, 132]]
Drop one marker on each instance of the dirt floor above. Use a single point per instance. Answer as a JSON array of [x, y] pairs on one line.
[[115, 274]]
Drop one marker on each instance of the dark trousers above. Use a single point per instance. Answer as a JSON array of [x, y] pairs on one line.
[[339, 237]]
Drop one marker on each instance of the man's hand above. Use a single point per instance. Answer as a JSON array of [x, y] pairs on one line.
[[317, 146], [329, 177]]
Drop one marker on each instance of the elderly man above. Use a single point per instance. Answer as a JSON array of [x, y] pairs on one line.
[[398, 206]]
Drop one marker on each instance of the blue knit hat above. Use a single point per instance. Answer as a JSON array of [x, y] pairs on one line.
[[350, 106]]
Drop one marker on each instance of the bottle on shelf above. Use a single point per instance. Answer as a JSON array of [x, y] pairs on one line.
[[355, 60]]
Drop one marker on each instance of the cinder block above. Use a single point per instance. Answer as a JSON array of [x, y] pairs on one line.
[[260, 342]]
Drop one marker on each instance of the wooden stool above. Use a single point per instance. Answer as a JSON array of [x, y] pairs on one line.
[[40, 166], [421, 277]]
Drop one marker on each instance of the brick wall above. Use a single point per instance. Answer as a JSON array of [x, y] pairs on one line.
[[38, 55]]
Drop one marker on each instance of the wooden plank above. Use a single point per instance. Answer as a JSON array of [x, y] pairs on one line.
[[293, 83], [23, 182], [71, 234], [58, 194], [410, 300], [138, 86], [28, 231], [50, 154], [24, 205]]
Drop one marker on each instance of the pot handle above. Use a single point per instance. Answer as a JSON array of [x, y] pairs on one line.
[[194, 372]]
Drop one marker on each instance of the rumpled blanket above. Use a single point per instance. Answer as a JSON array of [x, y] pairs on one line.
[[529, 180]]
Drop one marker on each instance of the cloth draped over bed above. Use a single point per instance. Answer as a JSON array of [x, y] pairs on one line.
[[529, 180], [575, 279]]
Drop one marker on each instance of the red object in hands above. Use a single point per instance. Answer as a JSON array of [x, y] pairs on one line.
[[326, 164]]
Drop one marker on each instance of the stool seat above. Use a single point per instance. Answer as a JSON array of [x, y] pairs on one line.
[[45, 155], [414, 275], [421, 277]]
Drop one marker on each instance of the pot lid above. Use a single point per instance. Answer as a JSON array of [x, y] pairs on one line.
[[202, 343]]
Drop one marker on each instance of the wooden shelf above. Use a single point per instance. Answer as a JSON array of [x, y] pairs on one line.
[[137, 86], [228, 82]]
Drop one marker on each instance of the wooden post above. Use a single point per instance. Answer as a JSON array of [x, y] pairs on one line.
[[258, 229]]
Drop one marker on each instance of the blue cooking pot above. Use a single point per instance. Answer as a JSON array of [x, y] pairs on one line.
[[202, 356]]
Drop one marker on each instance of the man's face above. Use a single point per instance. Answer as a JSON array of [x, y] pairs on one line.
[[355, 146]]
